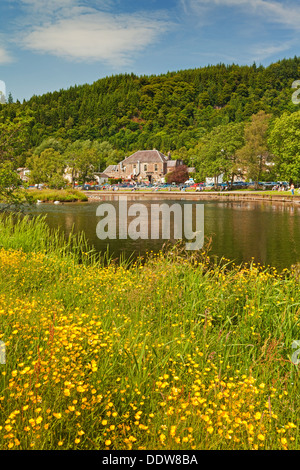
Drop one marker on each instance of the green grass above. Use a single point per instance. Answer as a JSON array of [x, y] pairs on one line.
[[276, 193], [175, 352], [49, 195], [33, 235]]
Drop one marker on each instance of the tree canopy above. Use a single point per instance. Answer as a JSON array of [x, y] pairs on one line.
[[254, 155], [186, 112], [285, 143]]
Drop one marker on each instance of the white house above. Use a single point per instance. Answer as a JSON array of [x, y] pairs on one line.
[[212, 180], [23, 173], [101, 178]]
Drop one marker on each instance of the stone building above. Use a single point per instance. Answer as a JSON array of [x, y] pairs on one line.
[[143, 165]]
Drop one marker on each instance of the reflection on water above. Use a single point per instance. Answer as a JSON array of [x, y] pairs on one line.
[[240, 231]]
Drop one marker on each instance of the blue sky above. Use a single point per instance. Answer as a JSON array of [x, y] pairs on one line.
[[47, 45]]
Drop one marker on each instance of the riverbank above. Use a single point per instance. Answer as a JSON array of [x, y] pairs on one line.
[[177, 353], [70, 195], [223, 196]]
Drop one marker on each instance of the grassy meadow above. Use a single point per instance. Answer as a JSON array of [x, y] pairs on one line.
[[176, 351], [61, 195]]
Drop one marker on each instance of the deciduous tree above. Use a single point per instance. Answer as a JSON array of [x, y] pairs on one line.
[[48, 168], [12, 193], [216, 153], [255, 155], [82, 160], [178, 175], [284, 142]]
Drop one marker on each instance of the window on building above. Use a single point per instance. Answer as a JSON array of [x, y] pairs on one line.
[[145, 167], [155, 167]]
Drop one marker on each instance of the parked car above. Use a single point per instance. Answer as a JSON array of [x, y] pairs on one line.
[[239, 185]]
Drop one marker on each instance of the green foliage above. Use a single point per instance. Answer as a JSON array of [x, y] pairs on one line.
[[114, 180], [82, 159], [53, 158], [178, 352], [178, 175], [164, 112], [176, 112], [10, 99], [61, 195], [15, 134], [284, 142], [47, 167], [216, 151], [254, 155], [12, 193], [58, 145]]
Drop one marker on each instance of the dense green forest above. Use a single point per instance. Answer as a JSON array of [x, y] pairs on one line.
[[171, 112]]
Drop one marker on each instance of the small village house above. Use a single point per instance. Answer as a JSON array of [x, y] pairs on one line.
[[143, 166], [101, 178], [24, 174]]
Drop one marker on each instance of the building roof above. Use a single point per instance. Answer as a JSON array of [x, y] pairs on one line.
[[111, 168], [145, 156], [172, 163]]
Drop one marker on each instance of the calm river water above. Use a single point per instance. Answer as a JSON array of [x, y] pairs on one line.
[[268, 232]]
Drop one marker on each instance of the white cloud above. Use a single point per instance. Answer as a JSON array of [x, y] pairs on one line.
[[287, 14], [47, 6], [251, 23], [82, 33], [262, 52], [5, 58]]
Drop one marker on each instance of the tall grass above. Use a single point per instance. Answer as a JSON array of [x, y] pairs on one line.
[[178, 352], [33, 234]]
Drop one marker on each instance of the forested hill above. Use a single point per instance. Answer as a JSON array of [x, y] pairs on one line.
[[168, 112]]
